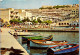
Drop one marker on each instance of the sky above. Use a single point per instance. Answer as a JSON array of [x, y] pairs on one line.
[[33, 4]]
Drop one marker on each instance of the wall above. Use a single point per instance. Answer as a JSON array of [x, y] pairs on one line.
[[5, 14]]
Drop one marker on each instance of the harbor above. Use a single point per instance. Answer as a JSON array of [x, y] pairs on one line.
[[70, 37], [34, 27]]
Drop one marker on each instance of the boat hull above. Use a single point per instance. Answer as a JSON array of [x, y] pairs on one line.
[[64, 50], [67, 50], [38, 38], [37, 46], [44, 42]]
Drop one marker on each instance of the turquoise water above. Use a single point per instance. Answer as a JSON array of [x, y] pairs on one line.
[[71, 37]]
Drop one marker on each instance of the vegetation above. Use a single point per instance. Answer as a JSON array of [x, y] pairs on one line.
[[60, 6], [34, 21], [49, 8], [48, 21], [46, 8], [8, 25], [26, 19], [39, 20], [15, 21], [55, 7]]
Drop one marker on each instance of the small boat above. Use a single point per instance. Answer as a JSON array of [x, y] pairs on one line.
[[38, 37], [21, 33], [64, 48], [43, 44]]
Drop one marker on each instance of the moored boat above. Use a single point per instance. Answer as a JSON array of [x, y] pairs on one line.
[[45, 44], [65, 48], [21, 33], [38, 37]]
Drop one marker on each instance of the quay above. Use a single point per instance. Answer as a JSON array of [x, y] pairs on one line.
[[54, 30], [8, 41], [48, 29]]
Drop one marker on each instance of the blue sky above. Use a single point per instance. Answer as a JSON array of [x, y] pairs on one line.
[[33, 4]]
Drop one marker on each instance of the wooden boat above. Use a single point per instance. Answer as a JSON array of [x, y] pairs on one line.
[[38, 37], [65, 48], [45, 44], [21, 33]]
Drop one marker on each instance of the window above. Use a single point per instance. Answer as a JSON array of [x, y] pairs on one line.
[[16, 16], [77, 24], [59, 23], [16, 12], [64, 23], [11, 12], [11, 16], [72, 11], [67, 23], [74, 24]]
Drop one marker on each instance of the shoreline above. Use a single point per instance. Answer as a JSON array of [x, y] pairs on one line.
[[48, 29], [54, 30]]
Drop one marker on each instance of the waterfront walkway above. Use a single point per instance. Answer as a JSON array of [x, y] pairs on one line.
[[55, 30], [8, 41]]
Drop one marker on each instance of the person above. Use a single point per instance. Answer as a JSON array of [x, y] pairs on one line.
[[15, 29], [26, 30], [0, 30]]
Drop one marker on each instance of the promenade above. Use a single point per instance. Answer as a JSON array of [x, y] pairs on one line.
[[47, 29], [8, 41], [54, 30]]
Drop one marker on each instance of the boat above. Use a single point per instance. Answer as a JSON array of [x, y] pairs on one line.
[[43, 44], [38, 37], [21, 33], [64, 48]]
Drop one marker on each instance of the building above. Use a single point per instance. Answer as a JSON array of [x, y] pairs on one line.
[[21, 14], [10, 13], [68, 22], [5, 14]]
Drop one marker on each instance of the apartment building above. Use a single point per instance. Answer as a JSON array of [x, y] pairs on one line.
[[10, 13]]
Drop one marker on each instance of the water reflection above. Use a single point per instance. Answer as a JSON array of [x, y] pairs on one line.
[[71, 37]]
